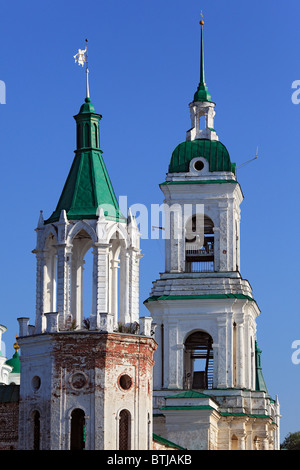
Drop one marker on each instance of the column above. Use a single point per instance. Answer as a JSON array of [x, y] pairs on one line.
[[240, 375], [100, 281], [63, 283], [40, 276], [221, 362], [124, 316], [223, 241], [114, 290]]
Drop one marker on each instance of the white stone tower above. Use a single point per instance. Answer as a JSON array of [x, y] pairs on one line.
[[209, 391], [86, 376]]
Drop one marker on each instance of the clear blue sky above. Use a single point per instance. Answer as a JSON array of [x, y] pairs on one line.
[[144, 70]]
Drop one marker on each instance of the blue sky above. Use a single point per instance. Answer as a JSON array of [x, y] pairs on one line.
[[144, 70]]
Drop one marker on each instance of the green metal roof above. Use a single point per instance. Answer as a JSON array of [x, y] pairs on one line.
[[88, 184], [189, 394], [166, 442], [212, 150], [14, 362], [259, 378], [193, 296]]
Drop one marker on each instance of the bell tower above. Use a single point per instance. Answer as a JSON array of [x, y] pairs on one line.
[[205, 370], [86, 375]]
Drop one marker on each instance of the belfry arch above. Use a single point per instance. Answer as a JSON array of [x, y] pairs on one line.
[[80, 246], [199, 244], [198, 361]]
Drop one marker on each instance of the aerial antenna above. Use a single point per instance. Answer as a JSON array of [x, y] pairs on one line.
[[256, 156]]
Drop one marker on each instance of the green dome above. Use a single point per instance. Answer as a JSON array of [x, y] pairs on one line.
[[14, 362], [212, 150]]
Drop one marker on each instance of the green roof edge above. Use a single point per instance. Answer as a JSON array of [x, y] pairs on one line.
[[211, 296], [199, 182], [162, 440]]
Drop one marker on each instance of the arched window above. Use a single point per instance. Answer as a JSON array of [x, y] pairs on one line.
[[50, 274], [96, 135], [79, 136], [77, 430], [81, 277], [199, 244], [198, 364], [87, 136], [36, 430], [124, 430]]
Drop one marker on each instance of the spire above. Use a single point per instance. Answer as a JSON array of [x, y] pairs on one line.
[[202, 93]]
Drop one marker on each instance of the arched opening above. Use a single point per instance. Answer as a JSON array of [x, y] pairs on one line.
[[87, 135], [50, 274], [199, 244], [96, 136], [36, 430], [234, 443], [79, 136], [81, 277], [198, 363], [114, 278], [77, 441], [124, 430]]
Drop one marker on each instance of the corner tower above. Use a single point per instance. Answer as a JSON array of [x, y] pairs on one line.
[[206, 393]]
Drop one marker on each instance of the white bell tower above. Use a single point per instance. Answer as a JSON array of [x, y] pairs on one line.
[[204, 310]]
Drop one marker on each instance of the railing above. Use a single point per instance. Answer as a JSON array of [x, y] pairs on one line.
[[199, 267], [191, 250], [199, 259]]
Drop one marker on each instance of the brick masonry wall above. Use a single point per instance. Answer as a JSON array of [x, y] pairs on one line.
[[9, 415]]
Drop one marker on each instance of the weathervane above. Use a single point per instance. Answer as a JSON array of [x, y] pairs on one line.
[[82, 58], [201, 21]]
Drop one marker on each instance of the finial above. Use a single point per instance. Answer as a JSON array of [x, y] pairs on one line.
[[16, 346], [201, 21]]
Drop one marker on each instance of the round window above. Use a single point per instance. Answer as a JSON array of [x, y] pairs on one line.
[[125, 382], [199, 165], [78, 380]]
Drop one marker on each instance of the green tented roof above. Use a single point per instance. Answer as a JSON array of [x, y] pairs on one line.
[[88, 185], [212, 150]]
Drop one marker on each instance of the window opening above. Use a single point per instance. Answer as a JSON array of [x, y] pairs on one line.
[[77, 430], [36, 430], [124, 430], [198, 361], [199, 246]]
